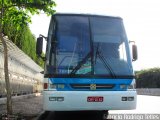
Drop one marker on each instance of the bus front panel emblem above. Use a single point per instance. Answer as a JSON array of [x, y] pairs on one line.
[[92, 86]]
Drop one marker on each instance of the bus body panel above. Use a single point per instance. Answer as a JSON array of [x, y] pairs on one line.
[[111, 84], [77, 100]]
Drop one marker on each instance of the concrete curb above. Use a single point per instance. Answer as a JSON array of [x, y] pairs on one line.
[[16, 98], [149, 91]]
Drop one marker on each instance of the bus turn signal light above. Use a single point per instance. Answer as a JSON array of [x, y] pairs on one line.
[[45, 85]]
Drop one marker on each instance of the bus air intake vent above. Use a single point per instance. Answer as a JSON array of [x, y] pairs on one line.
[[89, 86]]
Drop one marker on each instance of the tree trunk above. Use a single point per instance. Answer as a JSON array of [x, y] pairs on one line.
[[9, 96]]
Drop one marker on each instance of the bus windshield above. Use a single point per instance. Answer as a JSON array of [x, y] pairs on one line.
[[87, 45]]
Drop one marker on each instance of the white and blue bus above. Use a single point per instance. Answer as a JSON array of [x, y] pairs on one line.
[[88, 64]]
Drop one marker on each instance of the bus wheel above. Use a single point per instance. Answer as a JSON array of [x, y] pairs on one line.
[[104, 114]]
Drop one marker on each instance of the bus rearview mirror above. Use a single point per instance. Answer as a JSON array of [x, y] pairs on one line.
[[39, 46], [134, 52]]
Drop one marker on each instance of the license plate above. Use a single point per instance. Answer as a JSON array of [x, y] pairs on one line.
[[95, 99]]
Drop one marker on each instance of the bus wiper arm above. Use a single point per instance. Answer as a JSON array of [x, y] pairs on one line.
[[105, 62], [82, 62]]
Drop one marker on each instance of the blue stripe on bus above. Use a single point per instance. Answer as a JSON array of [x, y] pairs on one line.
[[68, 81]]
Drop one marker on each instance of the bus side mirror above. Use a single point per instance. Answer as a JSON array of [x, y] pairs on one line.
[[39, 46], [134, 52], [42, 72]]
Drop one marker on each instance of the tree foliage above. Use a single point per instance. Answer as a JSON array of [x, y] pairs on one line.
[[19, 11], [149, 78], [17, 16]]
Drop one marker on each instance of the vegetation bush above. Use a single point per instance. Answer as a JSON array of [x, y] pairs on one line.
[[24, 39], [149, 78]]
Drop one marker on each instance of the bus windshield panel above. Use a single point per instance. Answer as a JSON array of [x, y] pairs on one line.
[[87, 45]]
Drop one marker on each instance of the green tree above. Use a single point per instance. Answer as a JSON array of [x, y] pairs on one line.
[[16, 14]]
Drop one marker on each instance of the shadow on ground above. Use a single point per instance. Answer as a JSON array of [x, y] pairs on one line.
[[85, 115]]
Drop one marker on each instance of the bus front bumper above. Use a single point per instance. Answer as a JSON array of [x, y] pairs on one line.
[[77, 100]]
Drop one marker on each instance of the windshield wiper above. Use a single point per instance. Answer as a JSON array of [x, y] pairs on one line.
[[82, 62], [105, 62]]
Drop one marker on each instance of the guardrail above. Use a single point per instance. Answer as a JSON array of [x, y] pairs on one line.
[[148, 91]]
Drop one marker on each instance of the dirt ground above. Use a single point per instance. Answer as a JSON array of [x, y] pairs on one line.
[[29, 108]]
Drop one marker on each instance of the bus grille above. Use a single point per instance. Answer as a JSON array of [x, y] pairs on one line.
[[89, 86]]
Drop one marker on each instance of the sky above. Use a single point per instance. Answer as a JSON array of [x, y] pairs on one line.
[[141, 20]]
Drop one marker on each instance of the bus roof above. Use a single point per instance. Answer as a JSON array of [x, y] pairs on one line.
[[87, 15]]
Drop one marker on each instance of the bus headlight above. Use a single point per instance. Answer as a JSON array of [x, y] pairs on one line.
[[124, 99], [59, 99], [60, 86], [130, 86], [130, 98], [52, 86], [57, 86], [127, 98], [123, 86]]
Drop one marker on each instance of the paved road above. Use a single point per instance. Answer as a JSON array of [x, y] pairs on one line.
[[145, 105]]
